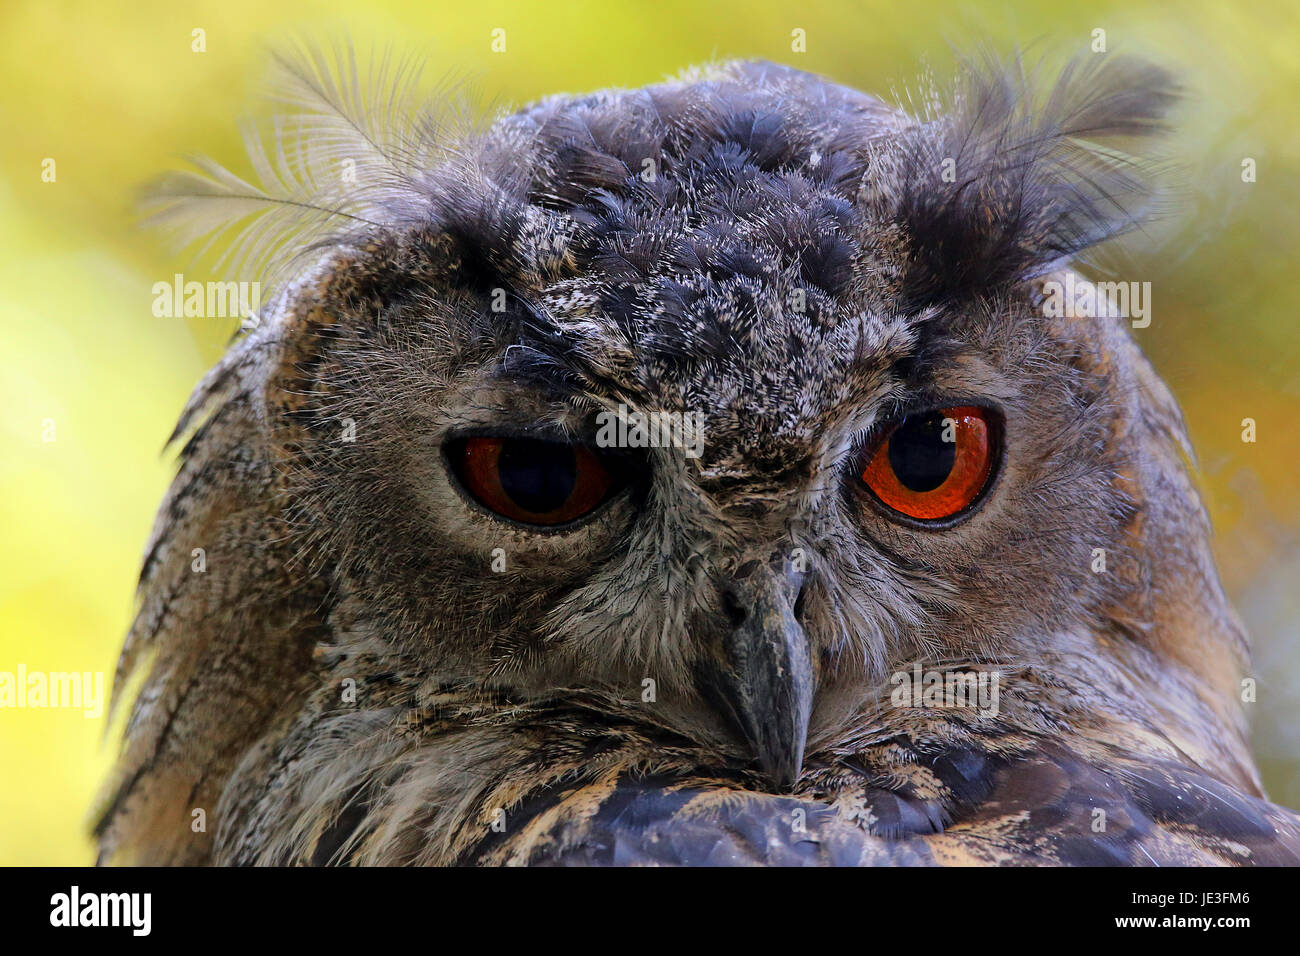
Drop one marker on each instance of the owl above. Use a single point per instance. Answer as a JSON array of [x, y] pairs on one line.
[[736, 470]]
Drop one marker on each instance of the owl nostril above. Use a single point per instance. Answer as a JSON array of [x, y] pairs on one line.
[[735, 611]]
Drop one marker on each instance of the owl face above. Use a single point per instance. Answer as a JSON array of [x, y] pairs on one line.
[[730, 407], [593, 474]]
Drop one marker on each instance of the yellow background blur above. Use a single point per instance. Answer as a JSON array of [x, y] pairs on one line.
[[113, 93]]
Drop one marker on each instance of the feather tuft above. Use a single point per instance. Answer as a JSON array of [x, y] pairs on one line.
[[346, 154], [1001, 181]]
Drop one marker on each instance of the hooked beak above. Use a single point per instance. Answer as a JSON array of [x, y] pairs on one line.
[[764, 680]]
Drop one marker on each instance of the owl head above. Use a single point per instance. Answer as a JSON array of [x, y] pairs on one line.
[[718, 398]]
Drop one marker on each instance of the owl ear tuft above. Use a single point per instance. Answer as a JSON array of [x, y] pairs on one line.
[[343, 154], [1005, 177]]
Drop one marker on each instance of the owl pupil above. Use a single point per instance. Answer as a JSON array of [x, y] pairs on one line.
[[921, 459], [538, 476]]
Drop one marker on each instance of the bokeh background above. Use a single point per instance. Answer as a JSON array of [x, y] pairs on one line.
[[114, 94]]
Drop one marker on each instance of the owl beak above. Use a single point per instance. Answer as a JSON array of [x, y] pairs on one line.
[[764, 680]]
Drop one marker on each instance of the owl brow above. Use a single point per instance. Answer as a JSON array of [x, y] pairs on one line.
[[530, 367], [524, 370], [553, 358]]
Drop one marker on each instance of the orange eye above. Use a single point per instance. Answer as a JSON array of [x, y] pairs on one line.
[[933, 465], [531, 481]]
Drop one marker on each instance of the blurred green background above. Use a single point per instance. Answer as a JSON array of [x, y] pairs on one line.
[[114, 95]]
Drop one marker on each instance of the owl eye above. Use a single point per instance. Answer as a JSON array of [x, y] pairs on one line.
[[532, 481], [933, 465]]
